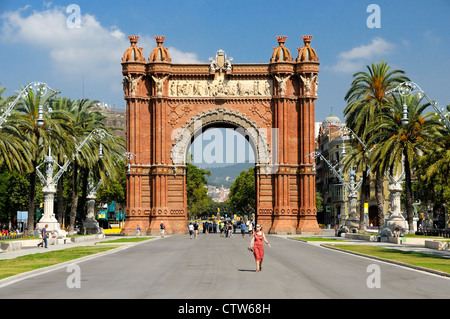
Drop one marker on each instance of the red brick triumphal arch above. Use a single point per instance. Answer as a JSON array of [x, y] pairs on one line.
[[272, 104]]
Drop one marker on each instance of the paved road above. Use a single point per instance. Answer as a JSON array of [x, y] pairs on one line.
[[214, 267]]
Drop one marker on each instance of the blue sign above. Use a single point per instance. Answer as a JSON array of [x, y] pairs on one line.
[[22, 216]]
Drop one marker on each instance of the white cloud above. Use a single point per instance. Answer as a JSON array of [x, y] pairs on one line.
[[178, 56], [91, 48], [355, 59]]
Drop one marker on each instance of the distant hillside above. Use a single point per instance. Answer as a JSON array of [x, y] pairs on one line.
[[219, 174]]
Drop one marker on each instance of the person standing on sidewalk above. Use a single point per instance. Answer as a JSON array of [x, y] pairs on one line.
[[258, 248], [44, 237], [162, 229]]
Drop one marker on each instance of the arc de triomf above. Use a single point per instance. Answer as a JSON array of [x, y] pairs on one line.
[[168, 104]]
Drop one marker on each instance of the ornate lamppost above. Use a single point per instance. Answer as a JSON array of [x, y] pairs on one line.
[[351, 223], [50, 182], [407, 88], [39, 88]]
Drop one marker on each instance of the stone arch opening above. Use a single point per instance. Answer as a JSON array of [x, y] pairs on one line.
[[220, 117]]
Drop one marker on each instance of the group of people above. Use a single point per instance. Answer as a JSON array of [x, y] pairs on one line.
[[193, 230]]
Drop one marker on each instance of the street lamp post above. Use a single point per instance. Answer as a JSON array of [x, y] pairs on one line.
[[396, 219], [38, 87], [44, 91], [50, 182], [408, 87], [90, 224], [351, 223], [129, 156]]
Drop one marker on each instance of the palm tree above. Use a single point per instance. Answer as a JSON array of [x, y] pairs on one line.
[[366, 98], [433, 167], [40, 137], [14, 153], [85, 119], [400, 144]]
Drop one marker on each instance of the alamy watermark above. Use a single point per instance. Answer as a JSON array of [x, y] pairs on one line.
[[374, 279], [74, 279], [73, 21], [374, 19]]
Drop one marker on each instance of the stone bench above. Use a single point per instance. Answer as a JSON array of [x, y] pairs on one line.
[[78, 239], [361, 237], [396, 240], [11, 245], [439, 245]]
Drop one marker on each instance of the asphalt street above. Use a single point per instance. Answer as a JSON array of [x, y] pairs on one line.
[[214, 267]]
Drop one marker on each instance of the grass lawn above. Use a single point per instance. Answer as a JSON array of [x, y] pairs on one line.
[[407, 257], [126, 240], [11, 267]]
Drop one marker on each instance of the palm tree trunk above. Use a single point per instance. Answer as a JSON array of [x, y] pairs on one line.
[[60, 202], [379, 189], [31, 201], [74, 206], [82, 199], [408, 193], [365, 194], [84, 187]]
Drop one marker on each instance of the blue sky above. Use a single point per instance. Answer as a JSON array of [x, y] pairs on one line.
[[37, 43]]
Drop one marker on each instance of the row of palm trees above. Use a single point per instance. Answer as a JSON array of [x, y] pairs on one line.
[[24, 143], [374, 112]]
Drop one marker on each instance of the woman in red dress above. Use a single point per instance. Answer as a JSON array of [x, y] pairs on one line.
[[258, 248]]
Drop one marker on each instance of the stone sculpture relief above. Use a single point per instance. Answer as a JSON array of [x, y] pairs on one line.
[[159, 84], [282, 83], [308, 81], [220, 87], [131, 83]]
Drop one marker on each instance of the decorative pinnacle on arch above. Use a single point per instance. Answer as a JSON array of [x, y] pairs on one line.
[[160, 53], [306, 53], [307, 39], [133, 38], [281, 53], [160, 39], [281, 39]]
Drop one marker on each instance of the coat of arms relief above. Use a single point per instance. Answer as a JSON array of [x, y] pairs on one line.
[[220, 87]]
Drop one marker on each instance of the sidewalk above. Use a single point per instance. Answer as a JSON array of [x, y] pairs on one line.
[[404, 247], [37, 250]]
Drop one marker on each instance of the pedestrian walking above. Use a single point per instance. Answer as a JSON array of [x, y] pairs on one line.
[[191, 230], [256, 245], [221, 229], [44, 237], [138, 230], [250, 229], [196, 226], [162, 226], [243, 229]]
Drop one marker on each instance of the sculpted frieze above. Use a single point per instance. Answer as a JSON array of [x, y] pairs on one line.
[[221, 88]]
